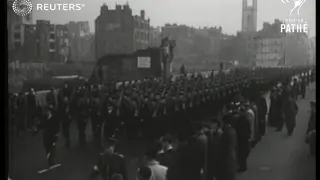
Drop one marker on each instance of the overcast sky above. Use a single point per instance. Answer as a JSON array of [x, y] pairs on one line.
[[224, 13]]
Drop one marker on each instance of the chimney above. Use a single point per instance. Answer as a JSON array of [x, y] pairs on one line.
[[118, 7], [104, 9], [142, 14]]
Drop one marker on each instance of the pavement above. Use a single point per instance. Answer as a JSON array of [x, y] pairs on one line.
[[279, 157], [276, 157]]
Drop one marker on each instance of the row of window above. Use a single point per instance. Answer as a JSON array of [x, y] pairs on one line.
[[142, 25], [142, 36]]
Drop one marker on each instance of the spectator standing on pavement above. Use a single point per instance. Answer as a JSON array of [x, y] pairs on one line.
[[31, 109], [109, 162], [144, 173], [243, 130], [311, 131], [227, 158], [213, 134], [289, 110], [158, 172], [262, 113], [166, 153]]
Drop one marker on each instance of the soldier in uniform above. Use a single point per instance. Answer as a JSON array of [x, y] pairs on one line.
[[66, 120], [95, 115], [31, 109], [110, 162], [82, 119], [50, 125]]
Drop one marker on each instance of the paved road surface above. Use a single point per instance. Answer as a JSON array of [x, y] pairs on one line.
[[279, 157], [275, 157]]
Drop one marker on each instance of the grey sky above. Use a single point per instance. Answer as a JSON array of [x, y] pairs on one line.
[[224, 13]]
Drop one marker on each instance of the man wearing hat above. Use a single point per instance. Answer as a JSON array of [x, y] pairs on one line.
[[110, 162], [50, 98], [227, 157], [31, 108], [311, 131]]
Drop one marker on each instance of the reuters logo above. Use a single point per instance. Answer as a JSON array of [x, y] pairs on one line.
[[22, 7]]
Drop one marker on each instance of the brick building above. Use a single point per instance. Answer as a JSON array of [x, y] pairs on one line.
[[182, 35], [80, 42], [44, 42], [117, 31], [16, 32], [270, 43], [155, 37]]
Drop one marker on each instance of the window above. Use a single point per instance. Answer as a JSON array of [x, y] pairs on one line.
[[17, 45], [52, 45], [17, 27], [51, 28], [28, 17], [52, 36], [17, 36]]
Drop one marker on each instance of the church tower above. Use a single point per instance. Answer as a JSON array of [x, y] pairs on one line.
[[249, 16]]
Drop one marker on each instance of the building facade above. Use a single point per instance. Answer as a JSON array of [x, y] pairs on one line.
[[270, 43], [182, 35], [117, 31], [16, 31], [155, 37], [78, 35], [249, 16]]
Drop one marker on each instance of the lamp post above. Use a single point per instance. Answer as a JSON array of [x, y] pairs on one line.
[[167, 47]]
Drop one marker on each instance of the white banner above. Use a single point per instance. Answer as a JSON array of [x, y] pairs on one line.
[[144, 62]]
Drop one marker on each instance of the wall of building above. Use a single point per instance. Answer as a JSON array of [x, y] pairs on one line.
[[115, 30], [141, 31], [77, 35], [297, 49]]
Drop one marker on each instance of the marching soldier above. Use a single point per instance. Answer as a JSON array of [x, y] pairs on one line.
[[66, 120], [50, 126], [31, 109], [82, 118], [110, 162], [95, 116]]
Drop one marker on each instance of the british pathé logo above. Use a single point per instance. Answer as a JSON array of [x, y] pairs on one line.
[[294, 23]]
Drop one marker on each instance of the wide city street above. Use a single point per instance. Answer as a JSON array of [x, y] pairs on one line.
[[276, 157]]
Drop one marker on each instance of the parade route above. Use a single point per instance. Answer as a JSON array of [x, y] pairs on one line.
[[279, 157], [276, 157]]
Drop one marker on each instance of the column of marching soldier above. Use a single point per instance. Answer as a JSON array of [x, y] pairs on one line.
[[152, 107]]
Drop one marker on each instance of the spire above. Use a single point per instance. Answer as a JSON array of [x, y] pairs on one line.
[[244, 4], [255, 5]]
